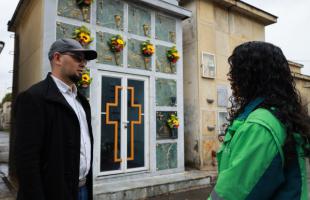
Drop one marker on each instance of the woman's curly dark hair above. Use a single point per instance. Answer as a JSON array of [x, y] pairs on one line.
[[259, 69]]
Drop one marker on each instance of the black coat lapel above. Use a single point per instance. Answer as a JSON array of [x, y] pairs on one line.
[[53, 93]]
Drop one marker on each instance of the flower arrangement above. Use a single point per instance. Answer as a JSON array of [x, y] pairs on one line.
[[82, 34], [116, 43], [147, 49], [84, 2], [173, 55], [173, 121], [85, 80]]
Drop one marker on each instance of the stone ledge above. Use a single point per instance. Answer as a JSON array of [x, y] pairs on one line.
[[140, 188], [249, 10]]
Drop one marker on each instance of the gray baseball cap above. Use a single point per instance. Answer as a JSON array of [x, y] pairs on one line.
[[70, 45]]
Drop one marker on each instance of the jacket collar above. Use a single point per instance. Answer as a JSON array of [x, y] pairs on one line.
[[54, 94], [63, 87]]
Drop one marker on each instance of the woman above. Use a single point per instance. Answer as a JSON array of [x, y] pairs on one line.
[[264, 149]]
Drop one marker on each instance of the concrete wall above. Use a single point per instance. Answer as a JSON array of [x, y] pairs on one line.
[[191, 88], [30, 39], [303, 86], [216, 30], [302, 83]]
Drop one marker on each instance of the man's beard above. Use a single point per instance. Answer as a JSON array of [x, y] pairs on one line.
[[75, 78]]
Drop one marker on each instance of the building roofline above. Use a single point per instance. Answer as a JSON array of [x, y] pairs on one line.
[[295, 64], [301, 77], [18, 11], [175, 10], [247, 9]]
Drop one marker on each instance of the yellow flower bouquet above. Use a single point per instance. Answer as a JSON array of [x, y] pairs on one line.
[[173, 121], [85, 80], [173, 55], [116, 43], [82, 34], [147, 48]]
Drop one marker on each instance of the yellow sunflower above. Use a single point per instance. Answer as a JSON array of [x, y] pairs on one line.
[[84, 37], [85, 78], [119, 41], [176, 55]]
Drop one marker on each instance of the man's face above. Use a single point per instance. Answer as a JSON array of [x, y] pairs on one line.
[[72, 65]]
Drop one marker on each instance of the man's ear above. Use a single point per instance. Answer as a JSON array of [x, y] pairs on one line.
[[56, 58]]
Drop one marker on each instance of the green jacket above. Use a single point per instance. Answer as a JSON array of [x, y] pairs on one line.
[[251, 161]]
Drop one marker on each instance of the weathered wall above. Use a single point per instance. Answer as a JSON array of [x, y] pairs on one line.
[[302, 83], [216, 30], [190, 81], [303, 86], [30, 39]]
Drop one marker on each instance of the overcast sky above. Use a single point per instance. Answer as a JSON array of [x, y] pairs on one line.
[[291, 33]]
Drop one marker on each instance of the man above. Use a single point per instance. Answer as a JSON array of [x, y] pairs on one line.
[[54, 141]]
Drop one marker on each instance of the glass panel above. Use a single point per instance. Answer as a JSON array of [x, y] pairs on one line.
[[105, 56], [162, 129], [223, 122], [135, 58], [139, 21], [110, 14], [208, 63], [166, 156], [166, 92], [222, 96], [110, 118], [162, 63], [64, 30], [165, 28], [69, 8], [135, 148]]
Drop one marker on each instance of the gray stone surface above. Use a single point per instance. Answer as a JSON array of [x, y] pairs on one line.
[[146, 187], [193, 194]]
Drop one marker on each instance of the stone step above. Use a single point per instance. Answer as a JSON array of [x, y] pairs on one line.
[[5, 192], [142, 188], [4, 148], [4, 157]]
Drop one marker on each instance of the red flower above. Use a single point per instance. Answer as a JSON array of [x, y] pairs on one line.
[[87, 2]]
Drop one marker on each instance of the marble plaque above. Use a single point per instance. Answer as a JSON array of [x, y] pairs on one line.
[[162, 129], [135, 57], [166, 92], [166, 156], [105, 56], [139, 21], [165, 28], [64, 30], [162, 63], [110, 14], [70, 9]]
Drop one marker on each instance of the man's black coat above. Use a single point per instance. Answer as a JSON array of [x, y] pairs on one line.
[[47, 148]]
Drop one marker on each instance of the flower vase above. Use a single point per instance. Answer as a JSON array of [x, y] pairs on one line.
[[173, 133], [146, 62], [172, 65], [117, 56], [85, 13]]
